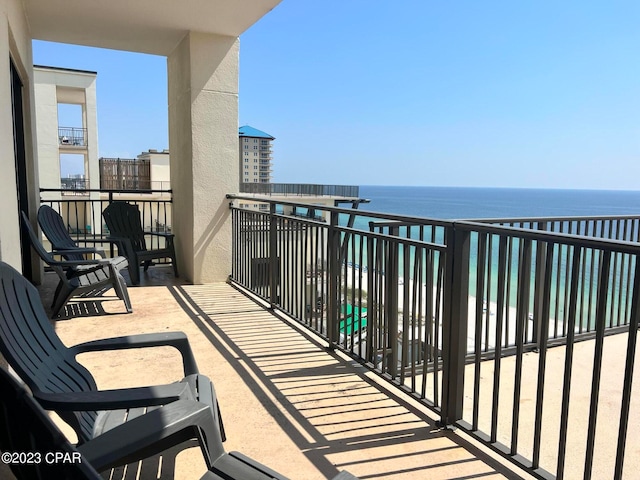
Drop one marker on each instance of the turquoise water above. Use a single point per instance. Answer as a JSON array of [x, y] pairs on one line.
[[467, 203], [470, 203]]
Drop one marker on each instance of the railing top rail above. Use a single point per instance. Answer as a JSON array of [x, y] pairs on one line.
[[380, 236], [552, 219], [348, 211], [552, 237], [471, 225], [100, 190]]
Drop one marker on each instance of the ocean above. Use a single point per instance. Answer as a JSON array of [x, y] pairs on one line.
[[454, 203]]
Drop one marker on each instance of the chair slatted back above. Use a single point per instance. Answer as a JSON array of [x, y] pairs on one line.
[[42, 252], [54, 229], [34, 350], [35, 241], [25, 427], [123, 220]]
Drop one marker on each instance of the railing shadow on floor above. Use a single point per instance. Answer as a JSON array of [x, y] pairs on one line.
[[308, 390]]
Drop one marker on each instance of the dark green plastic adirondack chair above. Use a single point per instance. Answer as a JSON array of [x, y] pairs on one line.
[[114, 427], [26, 427], [54, 229], [125, 227], [58, 382], [80, 277]]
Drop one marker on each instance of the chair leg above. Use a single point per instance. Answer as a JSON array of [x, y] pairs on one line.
[[61, 299], [120, 286], [175, 265], [147, 264], [173, 261], [56, 293], [134, 272]]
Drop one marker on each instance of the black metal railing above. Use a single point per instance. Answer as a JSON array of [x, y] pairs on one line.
[[72, 186], [83, 216], [72, 136], [300, 189], [480, 321]]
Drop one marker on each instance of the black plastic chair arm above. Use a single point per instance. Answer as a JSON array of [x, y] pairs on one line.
[[237, 466], [178, 340], [113, 238], [142, 436], [121, 398], [98, 262], [80, 250], [160, 234]]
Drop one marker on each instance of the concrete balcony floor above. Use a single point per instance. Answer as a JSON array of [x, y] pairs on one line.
[[286, 401]]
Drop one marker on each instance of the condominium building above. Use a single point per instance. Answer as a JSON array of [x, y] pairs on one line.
[[255, 155]]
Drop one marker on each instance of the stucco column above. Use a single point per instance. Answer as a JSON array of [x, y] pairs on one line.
[[203, 145]]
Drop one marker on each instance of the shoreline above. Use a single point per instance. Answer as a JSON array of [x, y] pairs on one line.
[[489, 320]]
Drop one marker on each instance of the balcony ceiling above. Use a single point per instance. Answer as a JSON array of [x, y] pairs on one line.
[[146, 26]]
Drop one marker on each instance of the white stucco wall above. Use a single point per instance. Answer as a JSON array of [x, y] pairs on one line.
[[52, 87], [47, 150], [203, 140], [160, 170]]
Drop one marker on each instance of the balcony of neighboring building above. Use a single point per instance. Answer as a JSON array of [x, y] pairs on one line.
[[72, 137]]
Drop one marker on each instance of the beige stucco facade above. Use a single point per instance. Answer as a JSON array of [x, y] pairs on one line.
[[54, 86], [203, 96], [159, 165], [202, 48]]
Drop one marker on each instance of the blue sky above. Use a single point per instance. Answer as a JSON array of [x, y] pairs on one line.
[[466, 93]]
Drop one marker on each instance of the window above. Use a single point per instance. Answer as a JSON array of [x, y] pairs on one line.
[[255, 140], [246, 140]]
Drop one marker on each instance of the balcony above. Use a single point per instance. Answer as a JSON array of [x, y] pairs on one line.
[[72, 137], [350, 344], [520, 332], [286, 401], [74, 186]]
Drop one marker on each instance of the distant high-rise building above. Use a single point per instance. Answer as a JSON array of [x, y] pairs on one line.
[[255, 155]]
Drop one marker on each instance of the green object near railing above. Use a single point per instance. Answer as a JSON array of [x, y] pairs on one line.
[[354, 318]]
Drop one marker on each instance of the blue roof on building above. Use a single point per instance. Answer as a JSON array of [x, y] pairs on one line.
[[247, 131]]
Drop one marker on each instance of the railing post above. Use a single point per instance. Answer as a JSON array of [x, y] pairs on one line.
[[273, 256], [456, 317], [391, 303], [333, 278], [541, 255], [111, 249]]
